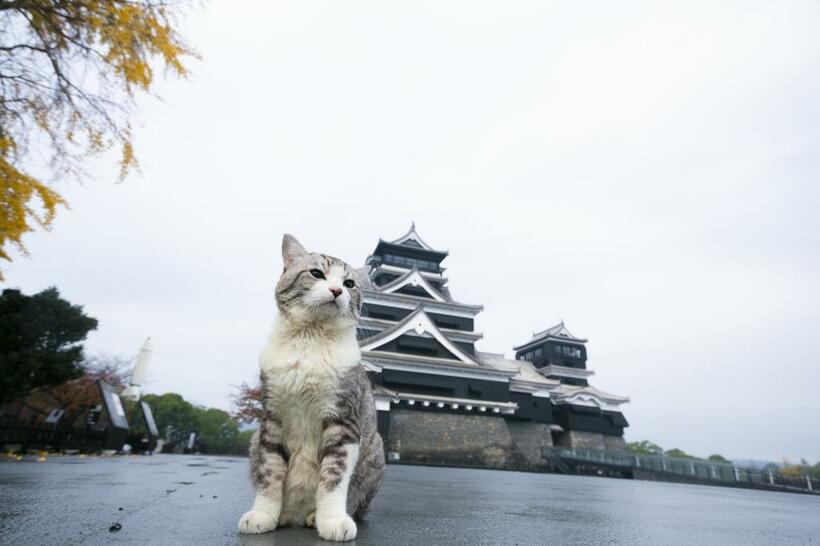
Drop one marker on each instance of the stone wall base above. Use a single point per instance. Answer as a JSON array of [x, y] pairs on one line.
[[486, 441], [616, 444], [424, 437], [530, 438], [578, 438]]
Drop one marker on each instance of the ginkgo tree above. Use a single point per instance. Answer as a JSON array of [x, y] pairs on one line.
[[70, 72]]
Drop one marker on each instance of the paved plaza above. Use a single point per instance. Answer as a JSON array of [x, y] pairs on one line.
[[169, 499]]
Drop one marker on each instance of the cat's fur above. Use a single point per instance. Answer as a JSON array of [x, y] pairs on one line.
[[316, 459]]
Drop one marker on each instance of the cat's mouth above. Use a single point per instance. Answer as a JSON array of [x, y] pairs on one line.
[[332, 303]]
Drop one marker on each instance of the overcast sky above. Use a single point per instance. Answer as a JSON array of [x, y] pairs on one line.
[[647, 173]]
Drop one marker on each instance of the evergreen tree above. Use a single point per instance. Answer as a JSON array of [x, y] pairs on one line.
[[679, 453], [717, 458], [40, 341], [644, 447]]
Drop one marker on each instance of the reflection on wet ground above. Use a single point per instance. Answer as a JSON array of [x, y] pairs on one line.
[[198, 500]]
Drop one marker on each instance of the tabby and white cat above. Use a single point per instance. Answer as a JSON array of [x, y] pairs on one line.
[[316, 459]]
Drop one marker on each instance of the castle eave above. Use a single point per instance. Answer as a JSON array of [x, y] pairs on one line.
[[447, 402]]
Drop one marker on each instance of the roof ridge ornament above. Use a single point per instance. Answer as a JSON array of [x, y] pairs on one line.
[[414, 235]]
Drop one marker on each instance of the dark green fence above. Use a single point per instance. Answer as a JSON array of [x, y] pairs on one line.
[[697, 469], [49, 437]]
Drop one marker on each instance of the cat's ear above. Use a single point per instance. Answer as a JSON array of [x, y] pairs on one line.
[[362, 275], [291, 250]]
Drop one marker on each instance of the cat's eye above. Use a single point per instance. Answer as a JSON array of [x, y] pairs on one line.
[[317, 273], [349, 283]]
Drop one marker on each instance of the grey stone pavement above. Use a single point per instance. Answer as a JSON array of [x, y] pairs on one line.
[[168, 499]]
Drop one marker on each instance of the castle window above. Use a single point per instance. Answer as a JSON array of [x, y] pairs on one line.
[[383, 316], [404, 261], [449, 325], [569, 351], [539, 352]]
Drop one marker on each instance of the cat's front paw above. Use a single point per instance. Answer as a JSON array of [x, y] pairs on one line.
[[256, 521], [336, 528]]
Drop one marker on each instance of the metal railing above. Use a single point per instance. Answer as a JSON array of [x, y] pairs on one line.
[[697, 469], [43, 436]]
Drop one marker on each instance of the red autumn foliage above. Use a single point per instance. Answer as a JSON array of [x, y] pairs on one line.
[[248, 402], [78, 395]]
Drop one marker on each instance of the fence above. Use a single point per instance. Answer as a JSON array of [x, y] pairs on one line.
[[688, 469], [44, 436]]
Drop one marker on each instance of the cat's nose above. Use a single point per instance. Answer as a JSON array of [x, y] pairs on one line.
[[336, 292]]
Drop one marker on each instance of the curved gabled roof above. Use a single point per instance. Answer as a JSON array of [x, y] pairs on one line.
[[415, 278], [412, 235], [559, 332], [408, 301], [568, 393], [419, 321]]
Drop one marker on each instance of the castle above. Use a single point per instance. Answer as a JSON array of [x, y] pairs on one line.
[[440, 400]]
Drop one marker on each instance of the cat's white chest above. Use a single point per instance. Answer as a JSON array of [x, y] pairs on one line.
[[301, 396], [302, 373], [301, 390]]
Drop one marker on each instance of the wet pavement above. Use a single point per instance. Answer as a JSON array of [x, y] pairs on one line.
[[170, 499]]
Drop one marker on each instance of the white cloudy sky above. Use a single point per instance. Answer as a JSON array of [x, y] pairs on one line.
[[647, 173]]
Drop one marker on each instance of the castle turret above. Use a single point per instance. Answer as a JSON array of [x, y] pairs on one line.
[[589, 417]]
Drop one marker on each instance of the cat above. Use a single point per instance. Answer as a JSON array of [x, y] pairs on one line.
[[316, 459]]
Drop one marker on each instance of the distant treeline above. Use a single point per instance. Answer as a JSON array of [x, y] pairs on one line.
[[803, 468], [217, 431]]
